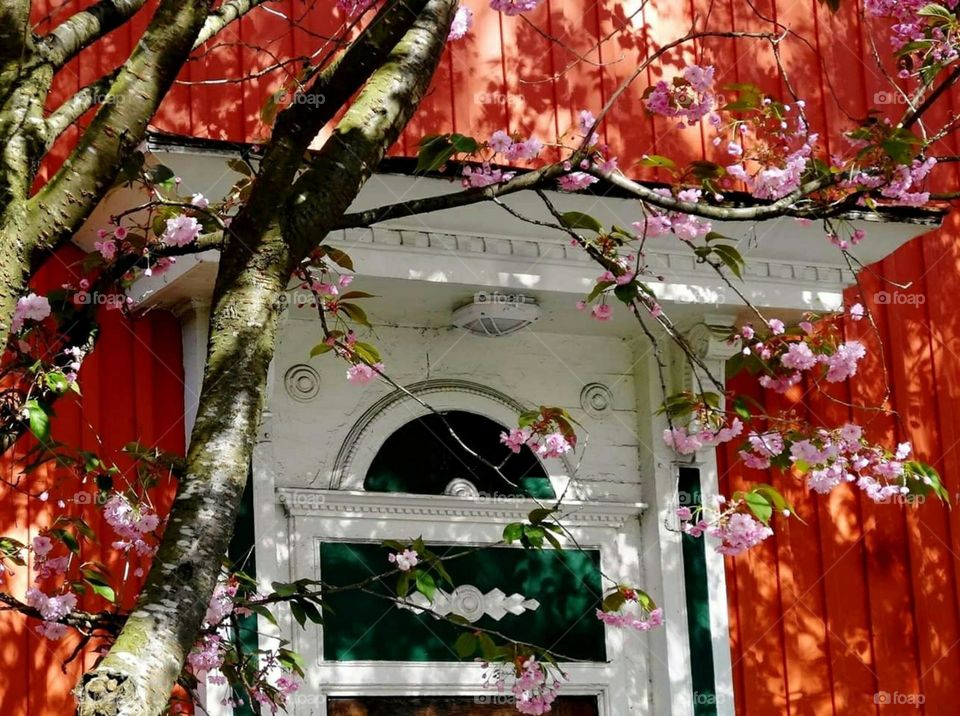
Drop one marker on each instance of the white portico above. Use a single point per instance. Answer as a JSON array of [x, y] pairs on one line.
[[331, 479]]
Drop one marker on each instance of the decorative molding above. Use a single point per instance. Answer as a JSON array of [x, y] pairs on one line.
[[596, 399], [307, 502], [301, 382], [471, 603], [364, 428], [825, 277]]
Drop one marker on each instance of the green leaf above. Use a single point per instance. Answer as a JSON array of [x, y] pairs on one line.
[[487, 648], [465, 644], [299, 613], [463, 144], [626, 292], [579, 220], [68, 539], [320, 349], [355, 313], [435, 151], [103, 590], [658, 161], [759, 505], [540, 514], [240, 167], [426, 584], [613, 601], [731, 259], [338, 257], [512, 532], [38, 419], [57, 382], [367, 352], [284, 589]]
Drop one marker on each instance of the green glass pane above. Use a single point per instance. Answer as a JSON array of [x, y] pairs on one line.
[[362, 627], [422, 458]]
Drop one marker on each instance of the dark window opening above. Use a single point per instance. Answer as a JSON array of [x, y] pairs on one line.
[[422, 457]]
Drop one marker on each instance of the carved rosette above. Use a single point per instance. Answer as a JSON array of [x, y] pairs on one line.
[[301, 382]]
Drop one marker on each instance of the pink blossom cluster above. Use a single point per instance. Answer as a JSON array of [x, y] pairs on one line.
[[695, 436], [406, 560], [107, 245], [206, 655], [514, 7], [45, 565], [534, 688], [52, 609], [737, 532], [685, 226], [783, 150], [30, 308], [908, 26], [831, 457], [689, 99], [221, 603], [180, 231], [132, 523], [512, 148], [902, 186], [462, 22], [548, 445], [629, 621], [787, 359], [361, 373], [484, 175]]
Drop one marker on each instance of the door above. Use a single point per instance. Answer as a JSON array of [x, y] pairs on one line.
[[444, 706]]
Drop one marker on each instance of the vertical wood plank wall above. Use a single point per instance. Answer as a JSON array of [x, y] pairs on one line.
[[856, 600]]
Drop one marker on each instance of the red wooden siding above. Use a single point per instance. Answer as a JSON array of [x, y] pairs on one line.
[[132, 391], [858, 599], [862, 599]]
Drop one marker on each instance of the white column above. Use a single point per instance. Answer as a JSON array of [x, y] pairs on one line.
[[714, 351], [194, 330], [662, 555]]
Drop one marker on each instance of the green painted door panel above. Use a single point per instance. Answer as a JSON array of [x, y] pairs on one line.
[[361, 627]]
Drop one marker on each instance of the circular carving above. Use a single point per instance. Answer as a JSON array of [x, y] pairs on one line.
[[302, 382], [467, 601], [596, 399], [461, 487]]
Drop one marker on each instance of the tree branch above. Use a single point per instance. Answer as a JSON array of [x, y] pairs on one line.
[[78, 31], [136, 676]]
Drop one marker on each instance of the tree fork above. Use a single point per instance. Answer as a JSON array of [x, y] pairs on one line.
[[138, 674]]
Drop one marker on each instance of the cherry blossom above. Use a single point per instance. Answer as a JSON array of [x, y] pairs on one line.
[[181, 230], [30, 308], [405, 561], [514, 7], [361, 373], [462, 22]]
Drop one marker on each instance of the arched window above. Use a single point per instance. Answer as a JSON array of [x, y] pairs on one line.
[[422, 457]]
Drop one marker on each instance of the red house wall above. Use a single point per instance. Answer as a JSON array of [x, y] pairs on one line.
[[857, 600], [132, 391]]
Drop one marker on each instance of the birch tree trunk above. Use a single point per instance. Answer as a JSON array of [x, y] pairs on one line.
[[138, 674]]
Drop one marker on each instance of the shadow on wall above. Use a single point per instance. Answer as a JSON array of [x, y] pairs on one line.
[[857, 605], [132, 391]]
